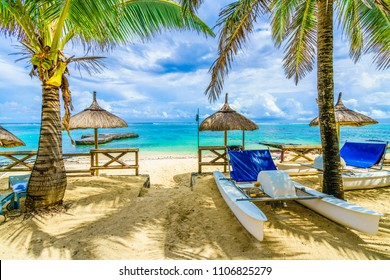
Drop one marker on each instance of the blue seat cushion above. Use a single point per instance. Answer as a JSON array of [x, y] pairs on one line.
[[363, 155], [247, 164]]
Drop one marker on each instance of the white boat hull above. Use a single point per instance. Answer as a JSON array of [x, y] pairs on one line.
[[295, 168], [363, 180], [252, 218], [347, 214], [249, 215]]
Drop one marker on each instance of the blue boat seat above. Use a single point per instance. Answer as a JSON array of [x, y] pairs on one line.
[[363, 155], [247, 164]]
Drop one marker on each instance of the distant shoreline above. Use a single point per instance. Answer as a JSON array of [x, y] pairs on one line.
[[182, 137]]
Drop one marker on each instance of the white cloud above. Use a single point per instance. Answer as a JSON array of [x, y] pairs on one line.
[[377, 98], [165, 79], [379, 114], [351, 102]]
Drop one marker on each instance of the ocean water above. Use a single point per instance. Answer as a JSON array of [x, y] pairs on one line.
[[179, 137]]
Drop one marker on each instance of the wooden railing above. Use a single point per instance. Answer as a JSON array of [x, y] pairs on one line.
[[297, 151], [23, 160], [76, 170], [18, 160], [219, 157], [114, 159]]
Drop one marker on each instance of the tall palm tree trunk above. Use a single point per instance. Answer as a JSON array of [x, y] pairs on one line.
[[330, 143], [48, 178]]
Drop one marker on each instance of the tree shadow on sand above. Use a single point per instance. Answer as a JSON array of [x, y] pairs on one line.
[[117, 218], [294, 232]]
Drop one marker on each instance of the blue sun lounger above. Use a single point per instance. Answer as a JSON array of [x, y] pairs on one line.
[[363, 155], [4, 199], [247, 164], [18, 184]]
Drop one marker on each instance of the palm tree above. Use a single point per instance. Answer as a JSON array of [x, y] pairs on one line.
[[307, 27], [44, 28]]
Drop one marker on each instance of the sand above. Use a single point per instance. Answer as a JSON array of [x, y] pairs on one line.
[[116, 218]]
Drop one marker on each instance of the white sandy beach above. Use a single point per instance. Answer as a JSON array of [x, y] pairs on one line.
[[115, 217]]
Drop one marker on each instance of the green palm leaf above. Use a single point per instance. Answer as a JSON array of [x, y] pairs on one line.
[[301, 36], [146, 18], [237, 21], [190, 5], [348, 13], [282, 12], [91, 64], [376, 25]]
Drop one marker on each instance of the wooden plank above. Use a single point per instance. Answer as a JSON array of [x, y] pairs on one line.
[[115, 167], [18, 153], [114, 150], [213, 163]]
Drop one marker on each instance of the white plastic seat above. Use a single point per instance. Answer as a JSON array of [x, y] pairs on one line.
[[276, 184]]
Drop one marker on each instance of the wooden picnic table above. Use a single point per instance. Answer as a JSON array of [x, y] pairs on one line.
[[300, 151]]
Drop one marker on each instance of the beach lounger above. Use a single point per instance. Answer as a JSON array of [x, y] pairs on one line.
[[4, 199], [18, 184], [358, 161], [363, 154]]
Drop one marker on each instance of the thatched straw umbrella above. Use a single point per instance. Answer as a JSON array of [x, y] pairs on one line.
[[95, 117], [9, 140], [346, 117], [227, 119]]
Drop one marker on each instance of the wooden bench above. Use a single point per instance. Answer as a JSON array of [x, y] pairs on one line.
[[114, 160]]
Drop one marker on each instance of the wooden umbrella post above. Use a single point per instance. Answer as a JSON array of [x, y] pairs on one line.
[[96, 135], [225, 143], [243, 139]]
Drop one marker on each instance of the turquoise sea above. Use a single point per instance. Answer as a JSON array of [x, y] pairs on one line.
[[182, 137]]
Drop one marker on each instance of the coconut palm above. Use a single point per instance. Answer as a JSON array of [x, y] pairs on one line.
[[44, 28], [307, 28]]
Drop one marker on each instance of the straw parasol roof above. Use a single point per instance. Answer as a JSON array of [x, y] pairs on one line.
[[9, 140], [347, 117], [95, 117], [227, 119]]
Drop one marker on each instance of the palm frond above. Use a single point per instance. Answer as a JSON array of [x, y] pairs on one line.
[[95, 24], [382, 4], [282, 12], [236, 22], [146, 18], [376, 28], [18, 22], [190, 5], [300, 50], [90, 64], [348, 13], [25, 53]]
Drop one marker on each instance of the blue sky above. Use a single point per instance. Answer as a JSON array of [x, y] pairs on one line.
[[165, 80]]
